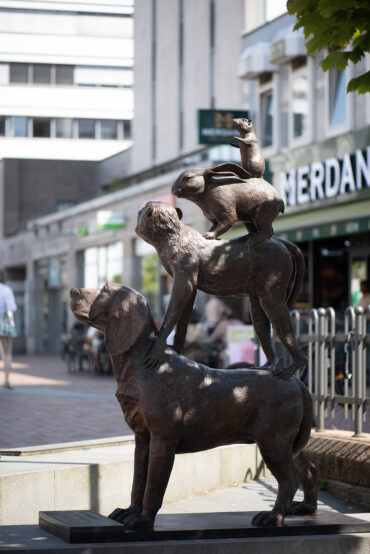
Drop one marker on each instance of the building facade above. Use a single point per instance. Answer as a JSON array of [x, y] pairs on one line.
[[66, 79], [316, 139]]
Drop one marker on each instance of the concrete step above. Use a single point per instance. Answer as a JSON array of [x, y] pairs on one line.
[[99, 478]]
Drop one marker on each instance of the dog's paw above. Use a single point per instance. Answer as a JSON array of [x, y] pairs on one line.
[[268, 518], [121, 514], [139, 521], [303, 508]]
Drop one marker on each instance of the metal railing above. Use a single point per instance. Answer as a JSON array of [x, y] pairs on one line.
[[338, 351]]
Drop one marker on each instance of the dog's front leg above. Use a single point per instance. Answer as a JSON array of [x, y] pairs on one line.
[[182, 325], [140, 475], [161, 458]]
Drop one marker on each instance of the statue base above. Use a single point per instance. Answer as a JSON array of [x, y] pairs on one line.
[[85, 526]]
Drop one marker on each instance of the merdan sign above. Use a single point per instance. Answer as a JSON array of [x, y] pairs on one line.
[[327, 179]]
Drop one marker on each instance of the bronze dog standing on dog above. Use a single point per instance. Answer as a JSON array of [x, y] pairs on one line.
[[183, 406], [224, 268]]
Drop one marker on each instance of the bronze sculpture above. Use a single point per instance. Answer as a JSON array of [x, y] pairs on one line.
[[270, 275], [252, 160], [226, 194], [183, 406]]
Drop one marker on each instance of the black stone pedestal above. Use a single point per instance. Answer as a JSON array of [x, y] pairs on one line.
[[84, 526]]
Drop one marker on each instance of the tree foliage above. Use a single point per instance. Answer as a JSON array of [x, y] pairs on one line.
[[342, 26]]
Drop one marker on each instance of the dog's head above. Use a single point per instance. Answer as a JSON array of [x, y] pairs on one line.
[[119, 312]]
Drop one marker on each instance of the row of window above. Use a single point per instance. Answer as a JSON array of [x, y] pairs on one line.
[[299, 90], [49, 74], [46, 127]]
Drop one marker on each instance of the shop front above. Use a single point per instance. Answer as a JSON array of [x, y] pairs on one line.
[[327, 201]]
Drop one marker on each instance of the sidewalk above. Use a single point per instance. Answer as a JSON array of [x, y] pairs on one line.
[[49, 405]]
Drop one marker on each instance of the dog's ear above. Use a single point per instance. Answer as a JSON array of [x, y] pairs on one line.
[[127, 318]]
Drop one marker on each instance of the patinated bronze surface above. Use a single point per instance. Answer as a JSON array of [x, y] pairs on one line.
[[270, 275], [252, 160], [226, 194], [182, 406]]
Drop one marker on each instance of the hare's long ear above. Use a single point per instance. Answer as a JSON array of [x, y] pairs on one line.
[[233, 168], [127, 319]]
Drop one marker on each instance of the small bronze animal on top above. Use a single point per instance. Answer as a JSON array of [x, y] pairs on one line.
[[252, 160], [226, 194], [183, 406], [270, 275]]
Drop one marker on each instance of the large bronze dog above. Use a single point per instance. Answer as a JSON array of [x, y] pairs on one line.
[[183, 406], [270, 275]]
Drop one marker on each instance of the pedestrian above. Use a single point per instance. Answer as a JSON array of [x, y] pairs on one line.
[[365, 298], [7, 326], [213, 312]]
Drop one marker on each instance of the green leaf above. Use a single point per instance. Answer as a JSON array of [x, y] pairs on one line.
[[361, 84], [339, 59]]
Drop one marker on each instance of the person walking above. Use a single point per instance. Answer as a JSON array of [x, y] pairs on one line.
[[7, 326]]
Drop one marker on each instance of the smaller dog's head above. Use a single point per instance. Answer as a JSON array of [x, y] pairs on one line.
[[156, 220], [119, 312], [189, 183]]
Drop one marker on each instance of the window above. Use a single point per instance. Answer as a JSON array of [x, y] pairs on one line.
[[41, 127], [266, 118], [63, 128], [127, 129], [18, 126], [42, 73], [86, 128], [64, 74], [108, 129], [18, 73], [2, 126], [337, 96], [299, 102], [103, 264]]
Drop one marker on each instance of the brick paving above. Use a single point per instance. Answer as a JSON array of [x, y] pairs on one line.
[[49, 405]]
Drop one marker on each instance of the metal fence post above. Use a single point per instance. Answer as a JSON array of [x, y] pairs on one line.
[[331, 321], [322, 370], [313, 349], [358, 369]]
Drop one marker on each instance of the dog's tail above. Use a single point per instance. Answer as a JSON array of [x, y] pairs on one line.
[[306, 424], [299, 265]]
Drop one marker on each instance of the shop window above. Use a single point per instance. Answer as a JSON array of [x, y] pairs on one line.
[[64, 74], [18, 126], [86, 128], [337, 96], [63, 128], [266, 111], [18, 73], [41, 127], [41, 73], [108, 129], [2, 126], [127, 133], [299, 102], [103, 264]]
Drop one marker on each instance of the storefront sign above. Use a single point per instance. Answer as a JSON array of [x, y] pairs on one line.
[[327, 179], [107, 219], [216, 126]]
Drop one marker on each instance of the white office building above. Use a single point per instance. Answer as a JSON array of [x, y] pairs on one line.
[[66, 78]]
